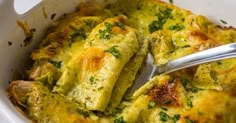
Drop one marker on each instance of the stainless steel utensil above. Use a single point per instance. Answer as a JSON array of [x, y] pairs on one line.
[[205, 56], [209, 55]]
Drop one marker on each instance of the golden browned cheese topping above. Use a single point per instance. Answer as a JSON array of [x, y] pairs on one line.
[[118, 30], [165, 94], [92, 58], [198, 38]]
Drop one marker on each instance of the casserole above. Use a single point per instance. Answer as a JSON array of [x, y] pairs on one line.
[[13, 50]]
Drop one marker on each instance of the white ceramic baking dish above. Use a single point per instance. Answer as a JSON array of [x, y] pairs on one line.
[[13, 54]]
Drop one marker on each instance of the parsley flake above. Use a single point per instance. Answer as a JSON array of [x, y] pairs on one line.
[[176, 117], [188, 121], [171, 79], [163, 108], [200, 113], [57, 64], [106, 33], [92, 80], [185, 46], [151, 104], [162, 17], [168, 102], [119, 120], [100, 88], [224, 22], [163, 116], [155, 25], [190, 104], [120, 25], [176, 27], [115, 52], [187, 85], [108, 26], [171, 1]]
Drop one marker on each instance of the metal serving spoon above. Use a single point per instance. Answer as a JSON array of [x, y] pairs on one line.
[[205, 56]]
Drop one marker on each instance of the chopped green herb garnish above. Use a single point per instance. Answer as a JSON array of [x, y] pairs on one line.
[[188, 121], [108, 26], [200, 113], [162, 16], [214, 75], [103, 34], [190, 103], [163, 108], [9, 43], [115, 52], [122, 26], [224, 22], [176, 27], [176, 117], [171, 79], [88, 23], [171, 1], [100, 88], [77, 33], [92, 80], [193, 89], [57, 64], [171, 52], [168, 102], [185, 46], [188, 87], [184, 81], [154, 26], [106, 33], [119, 120], [151, 104], [219, 63], [209, 44], [163, 116]]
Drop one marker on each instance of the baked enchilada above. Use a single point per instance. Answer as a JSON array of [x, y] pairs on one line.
[[90, 58]]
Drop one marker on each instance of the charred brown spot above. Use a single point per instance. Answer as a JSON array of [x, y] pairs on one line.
[[219, 117], [122, 20], [226, 27], [200, 35], [60, 37], [165, 94], [88, 8], [51, 51], [230, 88], [53, 16]]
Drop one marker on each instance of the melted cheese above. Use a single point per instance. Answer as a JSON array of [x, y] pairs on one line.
[[95, 70], [90, 58]]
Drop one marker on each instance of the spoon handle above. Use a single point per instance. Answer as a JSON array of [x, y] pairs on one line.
[[212, 54]]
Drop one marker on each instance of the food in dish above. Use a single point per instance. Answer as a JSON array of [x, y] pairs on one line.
[[91, 57]]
